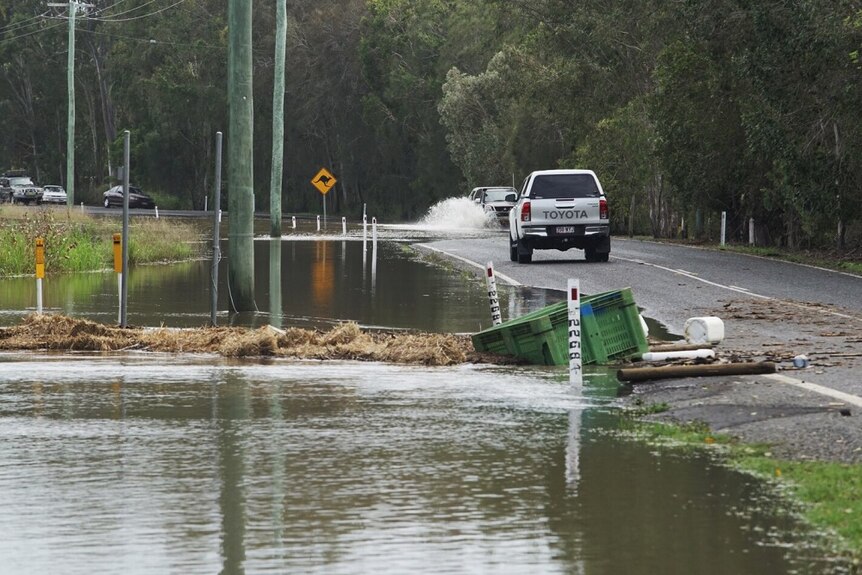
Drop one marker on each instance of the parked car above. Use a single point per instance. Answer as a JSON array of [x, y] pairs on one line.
[[52, 194], [137, 198], [19, 187], [496, 201]]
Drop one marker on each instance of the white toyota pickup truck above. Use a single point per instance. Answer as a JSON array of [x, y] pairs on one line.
[[560, 209]]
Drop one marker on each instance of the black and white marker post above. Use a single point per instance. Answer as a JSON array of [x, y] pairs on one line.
[[496, 317], [576, 376]]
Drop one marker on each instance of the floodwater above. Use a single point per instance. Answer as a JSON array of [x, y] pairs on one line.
[[143, 463]]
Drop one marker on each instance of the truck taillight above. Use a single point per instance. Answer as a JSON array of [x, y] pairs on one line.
[[603, 209], [526, 214]]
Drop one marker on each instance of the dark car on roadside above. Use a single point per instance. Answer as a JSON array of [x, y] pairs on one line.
[[17, 187], [137, 198]]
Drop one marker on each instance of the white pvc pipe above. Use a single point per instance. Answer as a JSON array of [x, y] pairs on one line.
[[687, 354]]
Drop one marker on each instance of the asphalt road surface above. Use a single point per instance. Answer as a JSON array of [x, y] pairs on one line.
[[771, 310]]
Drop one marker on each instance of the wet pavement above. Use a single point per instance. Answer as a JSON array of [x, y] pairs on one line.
[[163, 463]]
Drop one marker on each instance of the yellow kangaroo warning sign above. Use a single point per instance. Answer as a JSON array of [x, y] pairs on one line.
[[323, 181]]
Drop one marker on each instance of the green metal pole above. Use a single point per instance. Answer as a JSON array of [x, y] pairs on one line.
[[240, 155], [70, 128], [278, 120]]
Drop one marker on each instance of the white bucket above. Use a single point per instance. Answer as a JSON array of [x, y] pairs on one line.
[[701, 330]]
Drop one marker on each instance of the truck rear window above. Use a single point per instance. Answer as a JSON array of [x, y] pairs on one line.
[[565, 186]]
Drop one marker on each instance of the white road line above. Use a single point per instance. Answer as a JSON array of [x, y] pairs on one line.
[[737, 289], [827, 391], [694, 277], [497, 274]]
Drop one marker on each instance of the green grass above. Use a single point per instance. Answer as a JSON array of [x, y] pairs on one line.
[[821, 259], [829, 494], [75, 242]]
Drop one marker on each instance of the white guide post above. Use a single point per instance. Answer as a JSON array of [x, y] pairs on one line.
[[576, 376], [493, 300]]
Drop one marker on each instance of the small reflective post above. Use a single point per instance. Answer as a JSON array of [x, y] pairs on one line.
[[40, 272], [723, 226], [576, 377], [343, 226], [493, 299], [118, 268]]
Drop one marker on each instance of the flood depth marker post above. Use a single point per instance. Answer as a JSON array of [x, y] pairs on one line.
[[496, 317], [40, 272], [576, 376], [118, 267]]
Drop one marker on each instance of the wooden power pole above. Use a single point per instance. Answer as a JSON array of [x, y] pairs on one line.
[[240, 155]]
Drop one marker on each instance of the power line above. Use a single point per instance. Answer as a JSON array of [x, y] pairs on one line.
[[15, 26], [150, 40], [138, 17], [31, 33]]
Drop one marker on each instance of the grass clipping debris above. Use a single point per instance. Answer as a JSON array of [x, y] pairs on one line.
[[344, 342]]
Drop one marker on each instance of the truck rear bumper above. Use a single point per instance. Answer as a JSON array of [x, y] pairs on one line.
[[584, 236]]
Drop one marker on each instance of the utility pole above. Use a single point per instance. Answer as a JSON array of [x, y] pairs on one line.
[[70, 84], [240, 155], [278, 120]]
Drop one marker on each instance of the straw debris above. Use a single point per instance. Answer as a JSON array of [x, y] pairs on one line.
[[346, 341]]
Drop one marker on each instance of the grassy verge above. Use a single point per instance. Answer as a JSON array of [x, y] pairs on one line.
[[830, 494], [75, 242]]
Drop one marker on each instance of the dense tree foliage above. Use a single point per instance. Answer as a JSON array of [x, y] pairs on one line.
[[685, 109]]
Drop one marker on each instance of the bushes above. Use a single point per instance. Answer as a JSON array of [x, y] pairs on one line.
[[75, 242]]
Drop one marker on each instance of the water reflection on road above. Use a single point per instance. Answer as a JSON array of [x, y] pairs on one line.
[[143, 463], [118, 464]]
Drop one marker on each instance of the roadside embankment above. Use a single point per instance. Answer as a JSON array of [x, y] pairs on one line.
[[344, 342]]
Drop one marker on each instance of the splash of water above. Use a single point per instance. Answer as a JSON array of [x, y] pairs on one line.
[[458, 213]]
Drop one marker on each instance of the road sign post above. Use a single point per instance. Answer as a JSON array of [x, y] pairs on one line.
[[323, 181]]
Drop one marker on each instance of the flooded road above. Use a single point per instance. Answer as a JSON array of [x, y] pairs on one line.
[[149, 464], [119, 464]]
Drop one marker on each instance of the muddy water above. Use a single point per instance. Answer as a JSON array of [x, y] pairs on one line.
[[119, 463]]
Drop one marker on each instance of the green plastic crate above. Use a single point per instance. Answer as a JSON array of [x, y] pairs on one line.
[[610, 331]]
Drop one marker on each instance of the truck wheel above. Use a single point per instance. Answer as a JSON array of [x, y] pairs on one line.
[[593, 256], [513, 250], [524, 253]]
